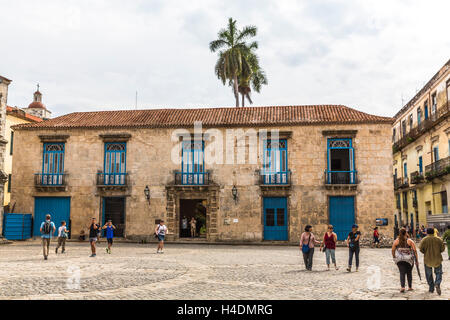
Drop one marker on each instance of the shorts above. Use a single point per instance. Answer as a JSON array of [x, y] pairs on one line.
[[376, 240], [94, 239], [110, 240], [160, 237]]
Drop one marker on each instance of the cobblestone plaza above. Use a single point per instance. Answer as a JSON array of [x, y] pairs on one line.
[[135, 271]]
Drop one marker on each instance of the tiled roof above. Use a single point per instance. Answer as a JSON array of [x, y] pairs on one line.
[[210, 117], [19, 113]]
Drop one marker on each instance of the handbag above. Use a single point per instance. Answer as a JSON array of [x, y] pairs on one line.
[[305, 247]]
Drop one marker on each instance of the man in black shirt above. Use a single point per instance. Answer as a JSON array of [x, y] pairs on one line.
[[353, 247], [93, 230]]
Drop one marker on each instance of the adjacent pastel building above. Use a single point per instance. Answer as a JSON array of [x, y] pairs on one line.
[[421, 147], [249, 174]]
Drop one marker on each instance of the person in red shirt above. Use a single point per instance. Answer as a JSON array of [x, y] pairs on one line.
[[376, 237]]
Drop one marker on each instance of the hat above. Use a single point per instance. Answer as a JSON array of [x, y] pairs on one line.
[[354, 226]]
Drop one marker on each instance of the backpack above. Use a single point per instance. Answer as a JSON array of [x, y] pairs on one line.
[[47, 228], [305, 247]]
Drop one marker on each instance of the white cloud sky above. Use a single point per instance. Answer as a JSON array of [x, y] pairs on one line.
[[94, 55]]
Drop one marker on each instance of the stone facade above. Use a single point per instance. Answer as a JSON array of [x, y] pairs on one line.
[[148, 162], [421, 142]]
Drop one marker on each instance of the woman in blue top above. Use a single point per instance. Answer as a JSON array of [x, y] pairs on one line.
[[109, 234]]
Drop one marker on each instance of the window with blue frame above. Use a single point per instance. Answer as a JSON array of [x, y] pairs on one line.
[[341, 161], [115, 163], [419, 116], [53, 164], [436, 154], [275, 162], [193, 163], [420, 165]]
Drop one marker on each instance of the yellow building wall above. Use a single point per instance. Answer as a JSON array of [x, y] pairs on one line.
[[10, 121]]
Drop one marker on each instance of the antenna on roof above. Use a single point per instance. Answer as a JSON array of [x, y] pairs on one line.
[[135, 106]]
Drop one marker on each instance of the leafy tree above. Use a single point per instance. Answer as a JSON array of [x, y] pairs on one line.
[[237, 62]]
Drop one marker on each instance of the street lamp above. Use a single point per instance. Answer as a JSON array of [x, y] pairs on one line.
[[234, 192], [147, 193]]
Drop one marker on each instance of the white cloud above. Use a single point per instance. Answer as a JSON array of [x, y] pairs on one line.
[[91, 55]]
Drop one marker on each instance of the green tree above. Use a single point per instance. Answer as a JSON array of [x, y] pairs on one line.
[[252, 75], [234, 52]]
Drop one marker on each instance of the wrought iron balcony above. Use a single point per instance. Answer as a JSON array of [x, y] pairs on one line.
[[112, 179], [416, 177], [50, 181], [424, 126], [341, 177], [192, 178], [275, 178], [438, 168]]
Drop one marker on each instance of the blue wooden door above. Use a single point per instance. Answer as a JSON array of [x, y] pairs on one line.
[[275, 219], [342, 215], [57, 207]]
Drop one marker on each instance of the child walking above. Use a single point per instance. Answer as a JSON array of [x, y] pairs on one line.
[[62, 236]]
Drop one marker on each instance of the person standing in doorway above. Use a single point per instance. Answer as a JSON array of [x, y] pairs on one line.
[[93, 232], [184, 226], [307, 243], [109, 234], [193, 224], [446, 238], [404, 253], [47, 229], [329, 242], [353, 247], [432, 248], [376, 237], [62, 236], [161, 231]]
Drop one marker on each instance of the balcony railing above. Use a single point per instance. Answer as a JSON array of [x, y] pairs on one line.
[[192, 178], [341, 177], [438, 168], [50, 179], [275, 178], [417, 177], [112, 179], [421, 128]]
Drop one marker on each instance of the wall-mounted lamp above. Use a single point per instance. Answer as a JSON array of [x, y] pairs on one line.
[[147, 193], [234, 192]]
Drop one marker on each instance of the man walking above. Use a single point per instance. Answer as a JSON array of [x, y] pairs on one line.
[[109, 234], [432, 248], [47, 229], [353, 247], [446, 238], [93, 231]]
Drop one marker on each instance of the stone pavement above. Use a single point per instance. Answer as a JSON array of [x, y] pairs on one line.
[[192, 272]]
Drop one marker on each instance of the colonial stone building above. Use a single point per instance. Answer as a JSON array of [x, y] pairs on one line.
[[421, 147], [249, 174], [14, 116]]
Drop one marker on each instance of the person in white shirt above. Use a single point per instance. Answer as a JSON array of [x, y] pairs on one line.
[[62, 236], [160, 231]]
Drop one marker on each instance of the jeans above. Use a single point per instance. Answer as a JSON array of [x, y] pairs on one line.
[[308, 259], [45, 246], [328, 253], [405, 270], [355, 251], [429, 275]]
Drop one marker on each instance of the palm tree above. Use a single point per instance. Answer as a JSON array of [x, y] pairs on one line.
[[252, 74], [235, 49]]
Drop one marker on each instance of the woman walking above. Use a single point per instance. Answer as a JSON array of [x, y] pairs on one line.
[[353, 247], [329, 242], [404, 253], [307, 242]]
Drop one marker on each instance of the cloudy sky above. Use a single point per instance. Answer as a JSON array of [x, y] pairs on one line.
[[94, 55]]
